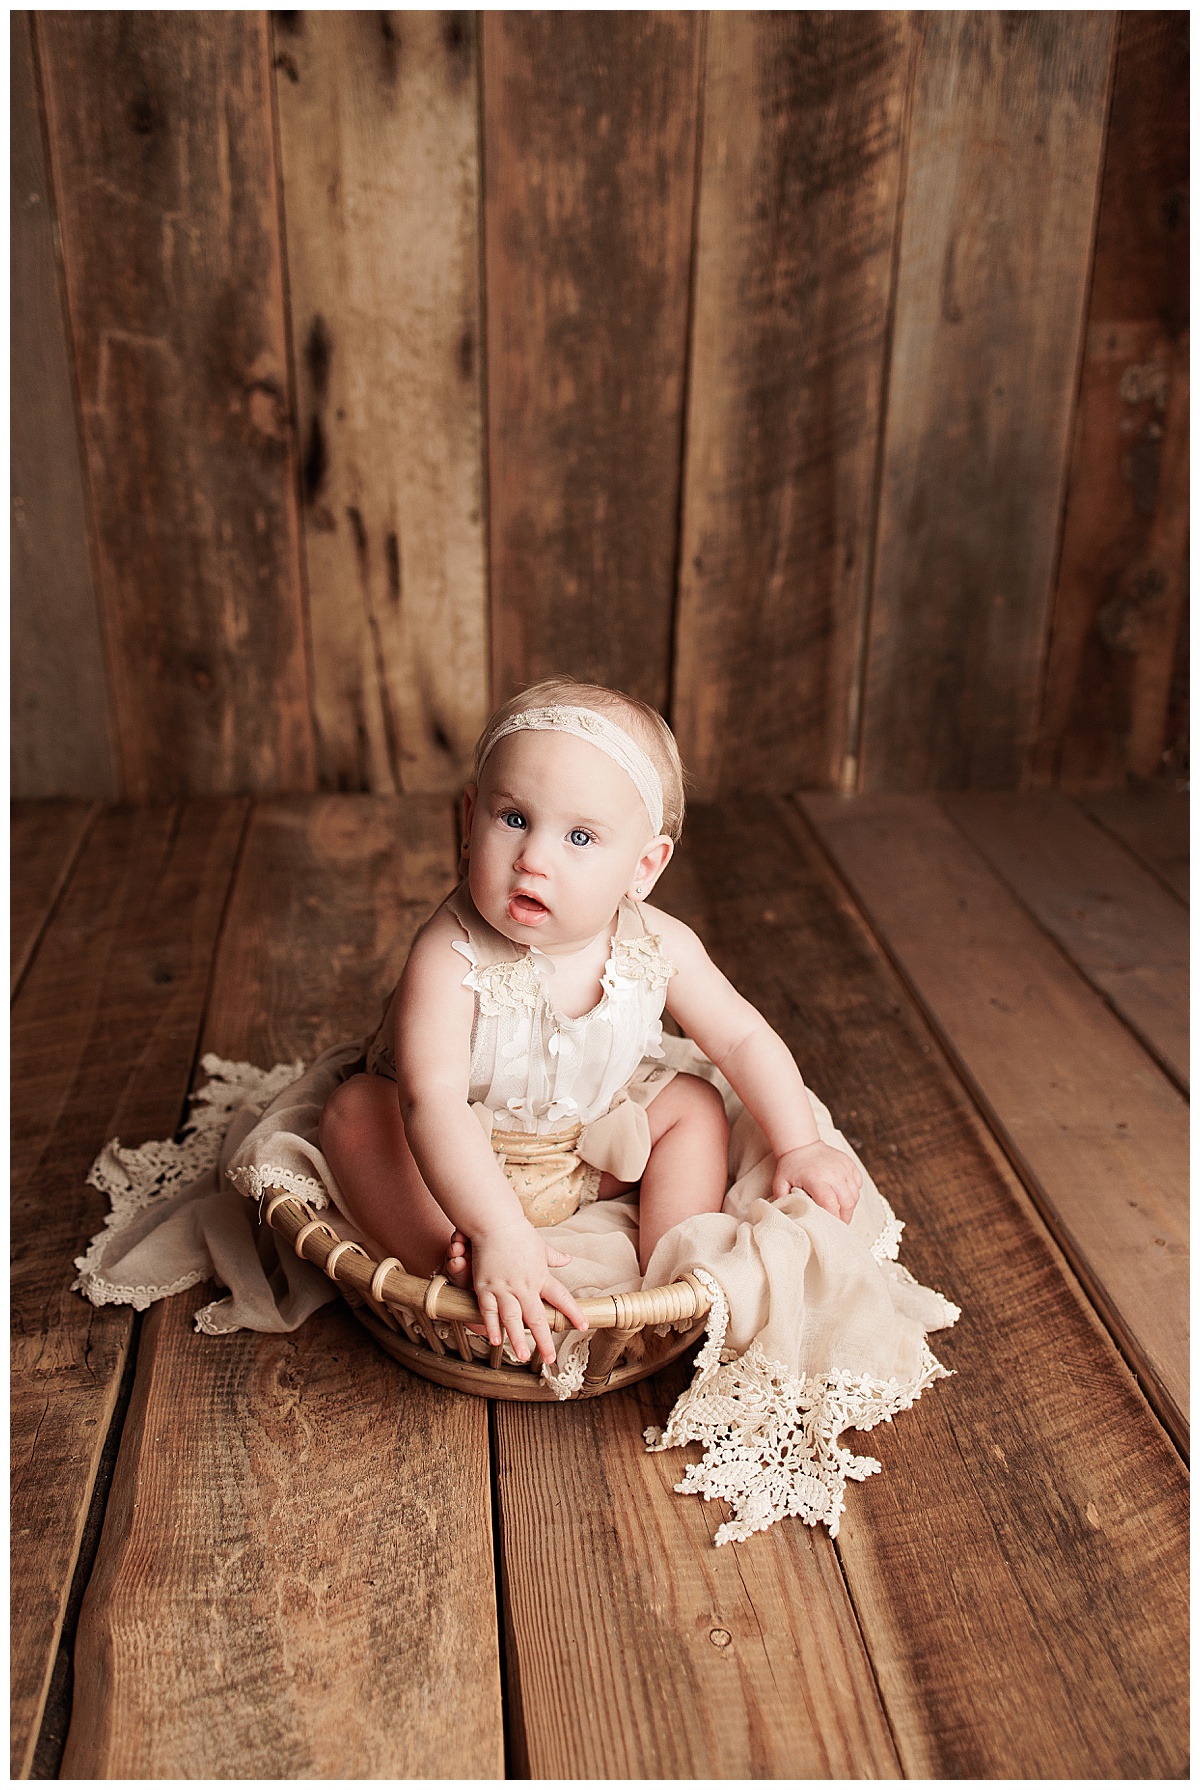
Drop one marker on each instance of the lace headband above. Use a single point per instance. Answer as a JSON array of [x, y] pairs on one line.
[[598, 730]]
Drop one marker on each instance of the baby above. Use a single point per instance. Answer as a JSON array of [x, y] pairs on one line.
[[495, 1104]]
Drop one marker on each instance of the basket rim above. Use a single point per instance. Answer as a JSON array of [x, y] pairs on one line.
[[386, 1281]]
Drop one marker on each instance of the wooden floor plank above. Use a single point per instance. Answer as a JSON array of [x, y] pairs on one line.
[[1114, 919], [1153, 823], [295, 1576], [104, 1033], [45, 838], [636, 1649], [1018, 1568], [1095, 1129]]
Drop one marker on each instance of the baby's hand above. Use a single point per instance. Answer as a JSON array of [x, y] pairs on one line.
[[832, 1178], [511, 1271]]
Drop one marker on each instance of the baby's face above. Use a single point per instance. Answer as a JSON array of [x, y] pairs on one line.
[[556, 831]]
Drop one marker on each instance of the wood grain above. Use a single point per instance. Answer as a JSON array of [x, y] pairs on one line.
[[104, 1033], [635, 1649], [797, 214], [44, 840], [1003, 169], [1017, 1567], [1153, 824], [294, 1578], [1123, 566], [1113, 919], [163, 161], [60, 744], [589, 124], [380, 159], [1097, 1132]]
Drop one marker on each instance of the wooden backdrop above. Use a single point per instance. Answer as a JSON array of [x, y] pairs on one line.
[[820, 377]]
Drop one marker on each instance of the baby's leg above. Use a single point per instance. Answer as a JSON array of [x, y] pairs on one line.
[[689, 1154], [362, 1137]]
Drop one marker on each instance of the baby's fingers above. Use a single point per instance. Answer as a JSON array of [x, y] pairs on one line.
[[514, 1321], [827, 1198], [556, 1294], [490, 1313], [539, 1329]]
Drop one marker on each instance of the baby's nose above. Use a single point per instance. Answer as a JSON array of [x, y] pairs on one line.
[[533, 854]]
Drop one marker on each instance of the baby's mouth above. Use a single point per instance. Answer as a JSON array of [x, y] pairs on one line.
[[527, 910]]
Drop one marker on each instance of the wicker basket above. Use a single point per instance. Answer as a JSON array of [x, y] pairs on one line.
[[401, 1312]]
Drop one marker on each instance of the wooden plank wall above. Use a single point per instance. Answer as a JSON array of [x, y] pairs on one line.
[[1121, 581], [1004, 160], [380, 164], [57, 658], [164, 169], [731, 358], [590, 143], [799, 212]]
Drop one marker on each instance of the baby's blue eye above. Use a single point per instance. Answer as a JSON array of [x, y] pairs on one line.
[[513, 819], [579, 837]]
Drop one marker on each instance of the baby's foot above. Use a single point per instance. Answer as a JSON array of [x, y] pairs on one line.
[[457, 1265], [457, 1269]]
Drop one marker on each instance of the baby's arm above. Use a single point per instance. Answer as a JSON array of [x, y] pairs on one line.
[[760, 1068], [510, 1271]]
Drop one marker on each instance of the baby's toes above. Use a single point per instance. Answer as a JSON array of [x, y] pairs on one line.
[[457, 1265]]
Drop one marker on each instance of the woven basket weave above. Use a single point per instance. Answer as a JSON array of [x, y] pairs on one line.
[[401, 1311]]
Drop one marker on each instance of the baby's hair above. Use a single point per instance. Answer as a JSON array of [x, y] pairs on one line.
[[645, 724]]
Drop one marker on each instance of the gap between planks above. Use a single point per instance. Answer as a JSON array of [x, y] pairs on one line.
[[1110, 916], [45, 842]]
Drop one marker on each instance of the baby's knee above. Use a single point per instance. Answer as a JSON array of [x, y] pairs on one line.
[[348, 1111], [699, 1103]]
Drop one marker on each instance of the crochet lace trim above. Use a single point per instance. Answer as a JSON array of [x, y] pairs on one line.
[[520, 982], [641, 960], [504, 986], [886, 1246], [565, 1375], [770, 1437], [149, 1175], [255, 1182]]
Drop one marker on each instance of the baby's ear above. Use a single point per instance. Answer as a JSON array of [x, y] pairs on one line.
[[651, 865]]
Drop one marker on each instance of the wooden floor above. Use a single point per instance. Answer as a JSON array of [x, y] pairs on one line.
[[285, 1558]]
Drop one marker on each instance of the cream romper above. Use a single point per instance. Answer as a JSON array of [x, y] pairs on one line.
[[562, 1100]]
